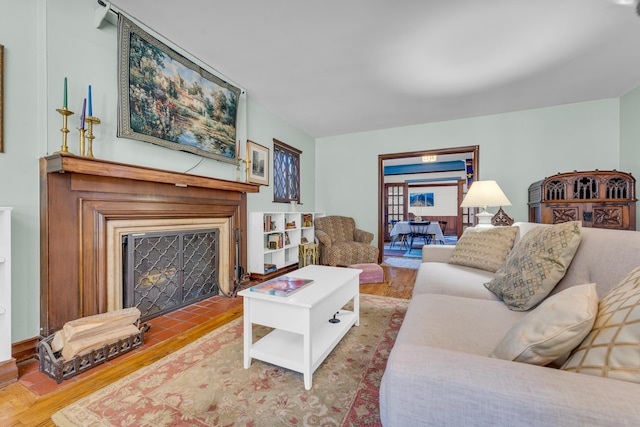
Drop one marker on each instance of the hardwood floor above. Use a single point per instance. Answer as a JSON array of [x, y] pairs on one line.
[[20, 407]]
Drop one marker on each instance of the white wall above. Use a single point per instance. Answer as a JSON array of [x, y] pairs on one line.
[[21, 33], [45, 41], [630, 137], [445, 201], [516, 149], [446, 197], [264, 126]]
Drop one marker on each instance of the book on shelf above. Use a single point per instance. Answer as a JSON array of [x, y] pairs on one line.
[[269, 224], [274, 241], [268, 268], [281, 286], [307, 220]]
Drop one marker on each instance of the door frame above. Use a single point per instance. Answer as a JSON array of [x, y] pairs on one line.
[[385, 206], [474, 150]]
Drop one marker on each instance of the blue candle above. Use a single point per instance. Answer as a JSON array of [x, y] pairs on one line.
[[90, 103], [84, 107], [64, 101]]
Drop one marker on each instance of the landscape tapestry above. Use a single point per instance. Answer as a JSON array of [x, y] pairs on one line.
[[168, 100]]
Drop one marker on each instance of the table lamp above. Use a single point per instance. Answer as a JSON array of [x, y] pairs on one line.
[[482, 194]]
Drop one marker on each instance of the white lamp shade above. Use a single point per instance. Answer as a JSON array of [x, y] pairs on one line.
[[483, 194]]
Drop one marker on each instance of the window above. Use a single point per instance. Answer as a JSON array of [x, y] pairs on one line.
[[286, 173]]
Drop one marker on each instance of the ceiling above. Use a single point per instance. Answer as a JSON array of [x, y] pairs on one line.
[[334, 67]]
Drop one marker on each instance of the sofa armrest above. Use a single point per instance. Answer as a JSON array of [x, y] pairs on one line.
[[323, 238], [425, 385], [437, 253], [362, 236]]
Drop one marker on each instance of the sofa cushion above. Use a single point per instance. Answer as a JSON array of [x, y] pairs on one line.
[[536, 264], [484, 248], [525, 227], [456, 323], [552, 329], [604, 257], [612, 348], [449, 279]]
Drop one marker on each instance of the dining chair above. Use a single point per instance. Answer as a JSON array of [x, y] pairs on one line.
[[419, 230], [402, 238]]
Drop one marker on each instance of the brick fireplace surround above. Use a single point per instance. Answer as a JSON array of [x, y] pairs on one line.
[[80, 197]]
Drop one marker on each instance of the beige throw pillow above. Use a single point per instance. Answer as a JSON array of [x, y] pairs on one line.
[[536, 264], [484, 248], [552, 329], [612, 348]]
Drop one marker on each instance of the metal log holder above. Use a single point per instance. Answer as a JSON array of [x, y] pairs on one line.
[[53, 365]]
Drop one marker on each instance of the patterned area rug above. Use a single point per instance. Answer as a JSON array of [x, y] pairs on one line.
[[205, 384]]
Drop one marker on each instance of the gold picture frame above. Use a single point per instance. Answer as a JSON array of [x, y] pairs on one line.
[[258, 163], [1, 98]]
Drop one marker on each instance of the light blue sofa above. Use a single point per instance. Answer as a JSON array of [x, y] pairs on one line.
[[439, 372]]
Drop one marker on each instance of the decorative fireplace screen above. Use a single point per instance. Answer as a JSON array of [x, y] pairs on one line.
[[164, 271]]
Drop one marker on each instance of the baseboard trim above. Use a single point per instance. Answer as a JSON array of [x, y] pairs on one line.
[[268, 276], [8, 372], [25, 350]]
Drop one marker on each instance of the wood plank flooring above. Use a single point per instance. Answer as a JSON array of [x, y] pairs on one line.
[[20, 407]]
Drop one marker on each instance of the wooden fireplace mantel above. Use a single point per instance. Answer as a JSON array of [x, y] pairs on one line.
[[92, 166], [79, 195]]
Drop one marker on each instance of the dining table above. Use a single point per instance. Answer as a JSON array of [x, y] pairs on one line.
[[403, 227]]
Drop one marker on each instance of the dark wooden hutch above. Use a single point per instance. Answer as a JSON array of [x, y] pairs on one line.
[[602, 199]]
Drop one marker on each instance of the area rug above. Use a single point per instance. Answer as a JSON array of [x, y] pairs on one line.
[[205, 384], [394, 252], [413, 253], [401, 262]]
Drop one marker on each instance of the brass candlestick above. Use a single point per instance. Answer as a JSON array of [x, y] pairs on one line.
[[92, 120], [65, 130], [82, 137]]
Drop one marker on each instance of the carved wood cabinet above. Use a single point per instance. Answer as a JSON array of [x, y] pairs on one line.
[[602, 199]]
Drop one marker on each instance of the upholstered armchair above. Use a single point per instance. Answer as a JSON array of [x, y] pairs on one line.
[[341, 243]]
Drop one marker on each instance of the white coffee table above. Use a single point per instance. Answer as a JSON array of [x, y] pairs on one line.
[[303, 336]]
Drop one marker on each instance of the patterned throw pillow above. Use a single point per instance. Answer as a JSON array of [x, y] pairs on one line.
[[552, 329], [536, 264], [484, 248], [612, 348]]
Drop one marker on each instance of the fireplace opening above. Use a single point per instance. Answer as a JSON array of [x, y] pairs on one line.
[[167, 270]]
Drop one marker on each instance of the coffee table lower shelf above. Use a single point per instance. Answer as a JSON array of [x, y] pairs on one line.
[[286, 349]]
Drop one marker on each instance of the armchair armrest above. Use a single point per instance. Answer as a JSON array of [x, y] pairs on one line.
[[362, 236], [323, 238]]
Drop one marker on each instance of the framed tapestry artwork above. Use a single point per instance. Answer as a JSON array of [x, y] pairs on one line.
[[168, 100], [258, 168], [1, 98]]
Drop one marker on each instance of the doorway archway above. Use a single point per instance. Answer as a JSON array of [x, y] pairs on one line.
[[413, 168]]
